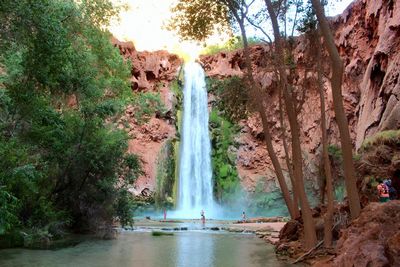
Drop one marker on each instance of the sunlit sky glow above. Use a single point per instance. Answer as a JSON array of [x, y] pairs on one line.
[[143, 23]]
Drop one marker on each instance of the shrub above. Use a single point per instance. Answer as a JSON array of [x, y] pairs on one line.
[[381, 138]]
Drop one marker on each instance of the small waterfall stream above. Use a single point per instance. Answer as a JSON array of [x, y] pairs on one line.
[[195, 190]]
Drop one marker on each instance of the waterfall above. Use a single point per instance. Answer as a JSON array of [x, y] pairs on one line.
[[195, 190]]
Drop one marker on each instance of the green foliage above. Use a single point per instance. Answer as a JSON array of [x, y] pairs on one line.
[[124, 208], [199, 19], [308, 21], [261, 201], [146, 104], [159, 233], [11, 239], [226, 179], [132, 162], [165, 175], [230, 107], [340, 191], [233, 99], [384, 137], [335, 152], [176, 88], [232, 44], [61, 163], [7, 211], [37, 238]]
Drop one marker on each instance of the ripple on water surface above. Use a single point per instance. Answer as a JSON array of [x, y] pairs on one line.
[[141, 249]]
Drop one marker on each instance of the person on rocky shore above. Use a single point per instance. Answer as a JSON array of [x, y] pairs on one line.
[[383, 191]]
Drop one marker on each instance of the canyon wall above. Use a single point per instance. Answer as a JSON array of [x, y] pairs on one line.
[[367, 35], [151, 72]]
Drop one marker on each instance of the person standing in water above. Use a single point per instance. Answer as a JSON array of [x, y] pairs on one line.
[[244, 218], [203, 217]]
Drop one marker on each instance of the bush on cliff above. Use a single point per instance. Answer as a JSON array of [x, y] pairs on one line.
[[227, 111], [226, 178]]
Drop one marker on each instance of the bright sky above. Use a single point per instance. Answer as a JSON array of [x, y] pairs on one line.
[[143, 24], [337, 7]]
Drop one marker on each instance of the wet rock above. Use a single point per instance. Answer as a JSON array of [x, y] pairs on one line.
[[291, 231], [145, 192]]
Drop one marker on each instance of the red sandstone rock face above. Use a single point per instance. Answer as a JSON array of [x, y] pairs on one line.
[[149, 68], [151, 72], [368, 38], [373, 239]]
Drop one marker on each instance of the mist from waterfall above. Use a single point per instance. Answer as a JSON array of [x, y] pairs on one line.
[[195, 189]]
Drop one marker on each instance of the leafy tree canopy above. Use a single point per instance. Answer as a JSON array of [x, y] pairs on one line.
[[199, 19], [62, 86]]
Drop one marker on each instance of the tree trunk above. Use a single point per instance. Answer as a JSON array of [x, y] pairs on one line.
[[310, 237], [336, 82], [287, 156], [256, 93], [327, 164]]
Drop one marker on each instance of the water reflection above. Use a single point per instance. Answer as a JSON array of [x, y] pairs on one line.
[[141, 249], [195, 250]]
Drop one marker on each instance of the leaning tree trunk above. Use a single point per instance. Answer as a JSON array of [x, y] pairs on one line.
[[256, 93], [287, 155], [336, 82], [327, 164], [310, 236]]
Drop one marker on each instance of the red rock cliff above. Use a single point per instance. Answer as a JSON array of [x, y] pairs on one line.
[[151, 72]]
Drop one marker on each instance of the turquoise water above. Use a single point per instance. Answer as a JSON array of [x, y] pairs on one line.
[[141, 249]]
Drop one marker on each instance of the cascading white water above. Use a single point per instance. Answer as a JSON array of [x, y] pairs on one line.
[[195, 173]]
